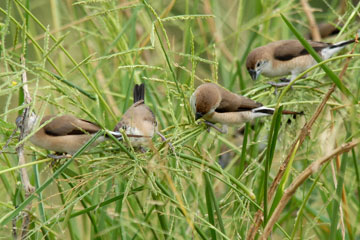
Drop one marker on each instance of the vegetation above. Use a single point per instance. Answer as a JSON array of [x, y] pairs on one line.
[[84, 57]]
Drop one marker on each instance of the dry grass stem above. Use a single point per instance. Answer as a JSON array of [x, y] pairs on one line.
[[315, 33], [23, 126], [305, 131], [290, 191]]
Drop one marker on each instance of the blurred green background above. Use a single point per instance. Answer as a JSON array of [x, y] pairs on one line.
[[84, 57]]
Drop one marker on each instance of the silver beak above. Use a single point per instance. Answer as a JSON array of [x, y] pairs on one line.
[[253, 74]]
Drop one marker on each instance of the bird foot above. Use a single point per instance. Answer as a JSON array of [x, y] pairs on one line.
[[209, 124], [284, 80], [142, 150], [163, 138], [280, 84], [283, 83], [59, 157]]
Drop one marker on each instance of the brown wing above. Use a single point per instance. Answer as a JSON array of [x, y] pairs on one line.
[[327, 30], [69, 125], [231, 102], [289, 49]]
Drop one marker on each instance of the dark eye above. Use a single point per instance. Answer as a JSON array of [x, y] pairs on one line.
[[258, 64]]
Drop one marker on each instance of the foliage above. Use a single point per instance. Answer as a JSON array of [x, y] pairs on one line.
[[84, 57]]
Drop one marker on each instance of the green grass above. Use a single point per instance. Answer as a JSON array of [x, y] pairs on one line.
[[84, 58]]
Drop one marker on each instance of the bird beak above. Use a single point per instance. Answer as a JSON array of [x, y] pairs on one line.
[[198, 115], [18, 120], [253, 74]]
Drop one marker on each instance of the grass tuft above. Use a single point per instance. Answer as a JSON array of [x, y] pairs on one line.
[[84, 58]]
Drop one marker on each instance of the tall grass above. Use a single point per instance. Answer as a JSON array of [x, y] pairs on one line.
[[84, 57]]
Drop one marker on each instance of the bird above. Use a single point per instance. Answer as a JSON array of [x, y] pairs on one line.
[[286, 57], [215, 104], [64, 134], [326, 30], [138, 122]]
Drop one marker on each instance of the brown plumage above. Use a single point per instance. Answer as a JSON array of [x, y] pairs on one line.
[[209, 95], [286, 57], [138, 119], [326, 30], [64, 134], [218, 105], [289, 49]]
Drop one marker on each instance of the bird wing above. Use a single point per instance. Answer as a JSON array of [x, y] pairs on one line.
[[69, 125], [231, 102], [289, 49]]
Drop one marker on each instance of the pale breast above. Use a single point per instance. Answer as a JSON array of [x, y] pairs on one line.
[[147, 130], [282, 68], [229, 118]]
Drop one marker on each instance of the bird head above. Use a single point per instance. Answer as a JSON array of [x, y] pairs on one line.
[[30, 123], [256, 62], [205, 100]]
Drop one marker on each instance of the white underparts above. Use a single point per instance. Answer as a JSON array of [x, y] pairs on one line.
[[328, 52]]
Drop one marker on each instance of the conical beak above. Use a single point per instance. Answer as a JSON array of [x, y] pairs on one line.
[[253, 74], [198, 115]]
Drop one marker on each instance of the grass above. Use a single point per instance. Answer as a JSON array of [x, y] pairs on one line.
[[84, 57]]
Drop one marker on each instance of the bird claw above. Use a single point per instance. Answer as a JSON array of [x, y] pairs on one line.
[[209, 124], [142, 150], [284, 80], [283, 83], [163, 138], [59, 157], [280, 84]]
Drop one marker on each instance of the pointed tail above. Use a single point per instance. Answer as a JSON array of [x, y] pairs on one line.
[[292, 112], [270, 111], [139, 92], [342, 44]]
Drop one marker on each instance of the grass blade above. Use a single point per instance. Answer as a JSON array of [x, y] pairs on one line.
[[337, 199], [5, 219], [209, 204], [274, 131]]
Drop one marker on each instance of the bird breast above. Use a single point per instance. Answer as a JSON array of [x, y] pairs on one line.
[[229, 118], [295, 65]]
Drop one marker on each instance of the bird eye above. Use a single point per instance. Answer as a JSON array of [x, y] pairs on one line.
[[258, 64]]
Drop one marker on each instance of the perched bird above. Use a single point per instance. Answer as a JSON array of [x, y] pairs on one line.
[[286, 57], [138, 121], [218, 105], [65, 134], [326, 30]]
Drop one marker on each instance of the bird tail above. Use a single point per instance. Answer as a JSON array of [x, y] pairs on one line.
[[263, 111], [335, 48], [342, 44], [270, 111], [284, 112], [139, 92]]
